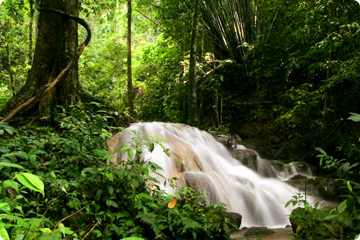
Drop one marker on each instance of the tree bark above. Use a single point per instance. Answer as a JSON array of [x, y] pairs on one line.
[[129, 69], [193, 110], [56, 42]]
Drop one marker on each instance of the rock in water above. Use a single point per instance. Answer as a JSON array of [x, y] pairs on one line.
[[258, 231]]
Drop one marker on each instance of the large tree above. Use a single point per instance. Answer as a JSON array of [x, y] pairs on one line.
[[57, 43]]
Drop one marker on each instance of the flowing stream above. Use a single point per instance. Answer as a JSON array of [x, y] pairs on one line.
[[206, 165]]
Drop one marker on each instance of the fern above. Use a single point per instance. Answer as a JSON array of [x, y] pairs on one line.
[[149, 218]]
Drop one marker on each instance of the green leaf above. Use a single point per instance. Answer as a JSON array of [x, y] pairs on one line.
[[321, 151], [151, 147], [1, 132], [328, 217], [342, 206], [122, 214], [354, 117], [111, 203], [62, 228], [110, 176], [45, 230], [31, 181], [21, 237], [20, 154], [3, 234], [288, 203], [349, 186], [124, 148], [130, 154], [9, 130], [151, 204], [111, 190], [5, 207], [144, 195], [8, 164], [85, 170], [97, 232]]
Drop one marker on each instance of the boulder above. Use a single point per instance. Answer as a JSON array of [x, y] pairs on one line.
[[235, 218], [246, 156], [201, 182]]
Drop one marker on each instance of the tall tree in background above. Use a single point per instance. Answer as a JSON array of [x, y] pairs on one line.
[[31, 23], [194, 115], [8, 53], [57, 41], [129, 69]]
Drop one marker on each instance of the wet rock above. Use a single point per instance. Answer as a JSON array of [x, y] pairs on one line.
[[225, 139], [235, 218], [325, 188], [258, 231], [201, 182], [246, 156], [291, 151]]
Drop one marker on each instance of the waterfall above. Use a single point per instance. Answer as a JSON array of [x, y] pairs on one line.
[[206, 165]]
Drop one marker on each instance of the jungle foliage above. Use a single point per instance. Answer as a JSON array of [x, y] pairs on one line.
[[281, 69]]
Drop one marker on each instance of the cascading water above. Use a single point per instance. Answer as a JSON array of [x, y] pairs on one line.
[[206, 165]]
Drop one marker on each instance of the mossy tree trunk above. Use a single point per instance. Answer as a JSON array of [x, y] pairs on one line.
[[56, 43]]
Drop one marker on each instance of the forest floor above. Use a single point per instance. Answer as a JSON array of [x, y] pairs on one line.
[[279, 234]]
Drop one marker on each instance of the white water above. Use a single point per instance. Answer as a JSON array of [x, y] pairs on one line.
[[206, 164]]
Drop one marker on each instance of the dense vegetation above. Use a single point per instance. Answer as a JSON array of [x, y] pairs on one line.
[[280, 69]]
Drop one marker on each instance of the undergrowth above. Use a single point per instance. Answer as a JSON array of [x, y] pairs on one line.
[[56, 184], [341, 221]]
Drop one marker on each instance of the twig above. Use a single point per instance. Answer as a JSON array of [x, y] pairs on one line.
[[37, 205], [66, 218], [97, 223], [52, 202]]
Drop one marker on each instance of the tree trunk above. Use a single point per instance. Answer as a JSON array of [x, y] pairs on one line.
[[193, 115], [12, 81], [8, 53], [56, 43], [129, 69], [31, 23]]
